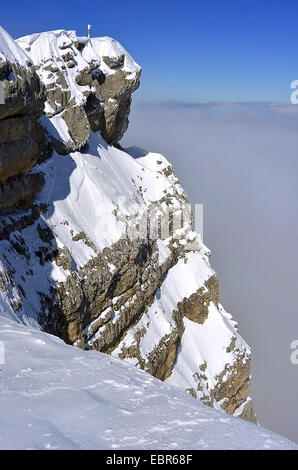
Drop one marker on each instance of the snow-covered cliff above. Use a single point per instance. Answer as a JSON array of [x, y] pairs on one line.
[[88, 85], [104, 255]]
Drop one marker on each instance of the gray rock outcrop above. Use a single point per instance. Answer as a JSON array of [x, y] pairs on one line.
[[90, 91], [21, 134]]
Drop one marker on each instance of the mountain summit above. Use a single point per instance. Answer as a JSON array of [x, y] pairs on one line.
[[96, 243]]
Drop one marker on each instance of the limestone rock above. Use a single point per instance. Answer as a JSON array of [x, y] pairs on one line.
[[92, 92], [20, 130]]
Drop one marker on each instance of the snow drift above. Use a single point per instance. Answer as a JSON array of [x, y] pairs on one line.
[[54, 396]]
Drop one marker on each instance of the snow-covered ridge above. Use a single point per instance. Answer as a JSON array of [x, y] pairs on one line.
[[54, 396], [87, 79], [54, 44], [10, 51]]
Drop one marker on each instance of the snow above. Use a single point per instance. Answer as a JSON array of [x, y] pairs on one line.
[[164, 252], [206, 343], [10, 51], [50, 47], [105, 176], [194, 269], [46, 45], [158, 320], [109, 47], [55, 126], [55, 396], [239, 410]]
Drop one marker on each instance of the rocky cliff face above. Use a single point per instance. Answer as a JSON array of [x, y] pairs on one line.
[[88, 84], [20, 130], [105, 256]]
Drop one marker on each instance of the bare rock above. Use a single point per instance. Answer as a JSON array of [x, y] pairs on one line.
[[21, 135]]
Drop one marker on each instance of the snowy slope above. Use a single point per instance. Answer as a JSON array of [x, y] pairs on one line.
[[10, 51], [55, 396], [54, 44]]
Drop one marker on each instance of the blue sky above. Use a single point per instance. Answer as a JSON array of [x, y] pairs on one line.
[[189, 50]]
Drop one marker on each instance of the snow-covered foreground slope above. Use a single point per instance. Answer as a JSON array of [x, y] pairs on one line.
[[55, 396]]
